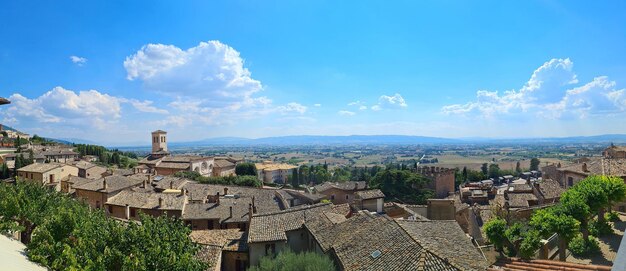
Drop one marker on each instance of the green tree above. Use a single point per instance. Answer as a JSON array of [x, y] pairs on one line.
[[246, 169], [531, 242], [574, 204], [494, 171], [534, 164], [464, 174], [555, 220], [495, 230], [64, 234], [4, 171], [294, 178], [288, 261], [485, 169]]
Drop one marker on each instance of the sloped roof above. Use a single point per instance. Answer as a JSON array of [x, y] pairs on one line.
[[223, 163], [520, 199], [370, 194], [272, 226], [218, 237], [219, 211], [39, 167], [144, 200], [543, 265], [346, 186], [446, 239], [599, 166], [550, 189], [114, 183]]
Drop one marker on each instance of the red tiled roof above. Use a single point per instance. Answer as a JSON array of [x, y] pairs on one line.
[[543, 265]]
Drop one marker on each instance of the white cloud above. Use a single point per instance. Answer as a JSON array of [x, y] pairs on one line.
[[212, 70], [388, 102], [346, 113], [317, 105], [146, 106], [59, 105], [292, 107], [78, 60], [68, 108], [208, 80], [548, 93]]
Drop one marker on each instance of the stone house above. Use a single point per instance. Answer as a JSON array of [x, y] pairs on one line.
[[274, 232], [371, 200], [223, 249], [340, 193], [268, 172], [223, 168], [98, 192], [89, 170], [127, 204], [48, 174]]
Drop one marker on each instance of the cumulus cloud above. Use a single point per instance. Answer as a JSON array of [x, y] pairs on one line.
[[89, 108], [146, 106], [60, 105], [346, 113], [550, 92], [292, 107], [78, 60], [211, 70], [389, 102], [208, 82]]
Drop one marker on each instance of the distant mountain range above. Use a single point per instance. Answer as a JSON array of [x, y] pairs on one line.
[[358, 140], [393, 139]]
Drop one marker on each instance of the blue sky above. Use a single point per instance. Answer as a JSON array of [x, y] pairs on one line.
[[112, 71]]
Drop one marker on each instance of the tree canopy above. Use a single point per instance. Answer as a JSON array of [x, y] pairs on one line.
[[289, 261], [64, 234], [245, 169]]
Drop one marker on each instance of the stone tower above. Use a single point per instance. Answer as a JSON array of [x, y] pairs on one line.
[[159, 141]]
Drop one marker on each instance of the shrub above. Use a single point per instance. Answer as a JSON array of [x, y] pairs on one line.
[[287, 260], [612, 216], [597, 228], [579, 247], [531, 242]]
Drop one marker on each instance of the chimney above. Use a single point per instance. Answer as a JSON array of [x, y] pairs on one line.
[[127, 213], [231, 211], [225, 191], [253, 205], [145, 184], [217, 199], [182, 192], [171, 184], [160, 202], [250, 210], [585, 167], [558, 165], [104, 184], [150, 179]]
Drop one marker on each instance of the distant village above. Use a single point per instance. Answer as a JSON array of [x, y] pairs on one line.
[[356, 226]]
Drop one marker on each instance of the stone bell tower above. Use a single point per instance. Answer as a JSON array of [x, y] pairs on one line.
[[159, 142]]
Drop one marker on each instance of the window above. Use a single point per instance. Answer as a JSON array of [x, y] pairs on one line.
[[133, 213], [110, 209], [270, 249], [209, 224], [346, 196], [332, 197], [97, 204]]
